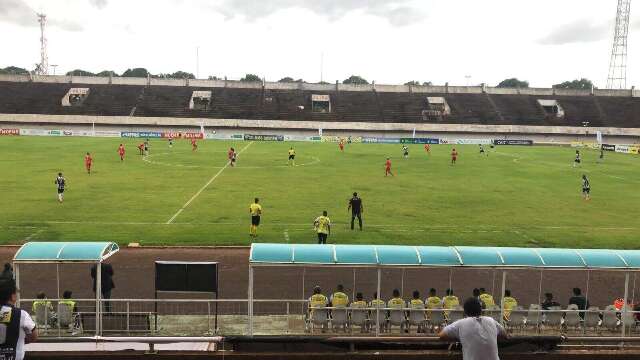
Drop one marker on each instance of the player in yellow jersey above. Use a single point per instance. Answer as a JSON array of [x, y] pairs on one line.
[[318, 301], [486, 299], [355, 310], [255, 210], [417, 311], [509, 303], [322, 225], [339, 298], [292, 157], [449, 302]]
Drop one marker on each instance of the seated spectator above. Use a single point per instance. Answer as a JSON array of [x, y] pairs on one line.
[[486, 299], [548, 302], [339, 298], [359, 303], [416, 302], [509, 303], [377, 303], [318, 302], [396, 302], [67, 311], [433, 301], [579, 300], [477, 334], [450, 301], [363, 318], [43, 310]]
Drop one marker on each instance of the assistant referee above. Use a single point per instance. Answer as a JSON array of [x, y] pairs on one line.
[[255, 210]]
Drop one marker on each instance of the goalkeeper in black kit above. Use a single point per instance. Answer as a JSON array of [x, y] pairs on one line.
[[355, 205]]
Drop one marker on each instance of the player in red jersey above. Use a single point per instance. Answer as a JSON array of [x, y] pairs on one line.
[[232, 156], [88, 160], [387, 168], [341, 145], [121, 152], [454, 156], [141, 148], [427, 148], [194, 145]]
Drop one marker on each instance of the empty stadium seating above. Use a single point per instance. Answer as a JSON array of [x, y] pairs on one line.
[[295, 105]]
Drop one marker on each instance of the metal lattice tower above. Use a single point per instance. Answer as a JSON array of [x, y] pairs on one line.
[[618, 65], [43, 67]]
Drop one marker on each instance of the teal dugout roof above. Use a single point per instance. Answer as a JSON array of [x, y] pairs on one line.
[[447, 256], [65, 251]]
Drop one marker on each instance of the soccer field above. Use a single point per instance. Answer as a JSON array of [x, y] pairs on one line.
[[515, 196]]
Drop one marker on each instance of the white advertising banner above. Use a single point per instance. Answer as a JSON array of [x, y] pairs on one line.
[[465, 141]]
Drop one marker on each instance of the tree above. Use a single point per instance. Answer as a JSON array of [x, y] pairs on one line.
[[513, 83], [417, 83], [107, 73], [14, 70], [79, 72], [135, 72], [288, 79], [182, 75], [212, 77], [355, 80], [251, 78], [582, 84]]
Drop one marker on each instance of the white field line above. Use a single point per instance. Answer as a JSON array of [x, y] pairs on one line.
[[286, 235], [305, 226], [204, 187], [28, 238]]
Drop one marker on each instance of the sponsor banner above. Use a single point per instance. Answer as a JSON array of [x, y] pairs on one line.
[[183, 135], [625, 149], [465, 141], [512, 142], [346, 139], [419, 141], [315, 138], [107, 133], [141, 134], [372, 140], [253, 137], [9, 132], [634, 149], [608, 147]]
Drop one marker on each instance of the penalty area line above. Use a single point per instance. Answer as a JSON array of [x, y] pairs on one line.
[[204, 187]]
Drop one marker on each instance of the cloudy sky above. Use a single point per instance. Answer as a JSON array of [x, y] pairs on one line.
[[389, 41]]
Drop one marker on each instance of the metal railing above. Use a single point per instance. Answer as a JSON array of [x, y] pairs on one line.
[[208, 317]]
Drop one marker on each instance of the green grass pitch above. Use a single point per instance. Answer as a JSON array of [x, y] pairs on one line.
[[515, 196]]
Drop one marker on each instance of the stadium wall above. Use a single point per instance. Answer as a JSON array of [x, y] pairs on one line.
[[63, 79]]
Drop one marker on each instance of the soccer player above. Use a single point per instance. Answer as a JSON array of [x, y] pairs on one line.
[[141, 148], [454, 156], [341, 145], [601, 158], [232, 156], [387, 167], [405, 151], [577, 161], [355, 205], [322, 225], [194, 144], [427, 149], [60, 182], [170, 142], [482, 150], [292, 157], [146, 147], [121, 152], [88, 160], [255, 210], [586, 188]]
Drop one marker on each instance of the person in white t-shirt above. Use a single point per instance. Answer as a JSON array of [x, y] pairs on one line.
[[477, 334], [16, 326]]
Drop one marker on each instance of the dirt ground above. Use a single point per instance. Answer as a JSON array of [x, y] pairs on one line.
[[134, 278]]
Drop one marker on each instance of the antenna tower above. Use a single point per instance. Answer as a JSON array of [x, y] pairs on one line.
[[618, 65], [43, 67]]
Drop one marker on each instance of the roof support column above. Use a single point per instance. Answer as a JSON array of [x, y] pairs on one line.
[[250, 303], [504, 282], [625, 307], [377, 305], [98, 299], [16, 273]]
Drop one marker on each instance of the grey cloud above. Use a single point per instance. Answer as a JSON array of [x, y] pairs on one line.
[[100, 4], [576, 32], [19, 13], [398, 12]]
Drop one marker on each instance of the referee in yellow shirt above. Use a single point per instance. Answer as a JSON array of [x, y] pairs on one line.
[[322, 225], [255, 210]]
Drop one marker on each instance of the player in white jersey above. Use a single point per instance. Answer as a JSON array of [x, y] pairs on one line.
[[60, 182]]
